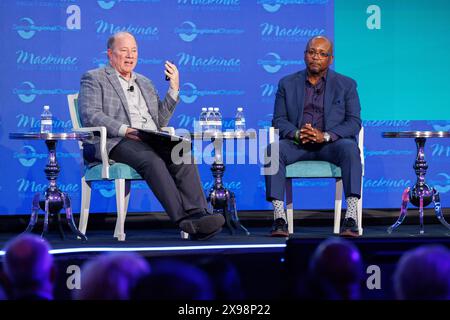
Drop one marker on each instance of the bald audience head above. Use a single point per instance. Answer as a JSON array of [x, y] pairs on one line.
[[423, 274], [29, 267], [336, 268]]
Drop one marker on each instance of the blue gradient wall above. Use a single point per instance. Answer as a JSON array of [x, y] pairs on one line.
[[230, 54]]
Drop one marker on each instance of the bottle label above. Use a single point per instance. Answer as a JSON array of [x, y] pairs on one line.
[[239, 122], [46, 122]]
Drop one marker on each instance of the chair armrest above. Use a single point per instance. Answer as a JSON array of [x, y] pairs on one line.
[[272, 134], [361, 147], [169, 130], [103, 152]]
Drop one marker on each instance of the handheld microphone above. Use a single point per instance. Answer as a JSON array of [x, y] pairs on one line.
[[131, 88], [167, 78]]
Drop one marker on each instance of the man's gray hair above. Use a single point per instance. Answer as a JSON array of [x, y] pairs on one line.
[[112, 39]]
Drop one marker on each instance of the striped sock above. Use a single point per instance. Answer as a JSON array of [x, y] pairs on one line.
[[278, 209], [352, 208]]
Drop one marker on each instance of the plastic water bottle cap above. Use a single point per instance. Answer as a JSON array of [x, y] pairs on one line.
[[46, 107], [210, 109], [240, 109], [204, 109], [216, 109]]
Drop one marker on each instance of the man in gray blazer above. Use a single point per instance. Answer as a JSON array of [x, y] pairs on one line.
[[121, 100]]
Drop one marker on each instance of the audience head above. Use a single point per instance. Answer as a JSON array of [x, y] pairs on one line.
[[336, 270], [29, 267], [174, 280], [111, 276], [224, 277], [423, 274]]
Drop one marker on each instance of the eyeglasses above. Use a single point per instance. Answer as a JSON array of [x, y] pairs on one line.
[[321, 55]]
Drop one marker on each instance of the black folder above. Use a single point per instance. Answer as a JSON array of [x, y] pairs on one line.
[[160, 139]]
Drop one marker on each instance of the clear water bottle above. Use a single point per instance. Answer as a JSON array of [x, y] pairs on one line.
[[202, 120], [46, 120], [239, 120], [210, 120], [218, 119]]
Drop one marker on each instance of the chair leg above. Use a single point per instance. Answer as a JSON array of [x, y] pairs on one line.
[[184, 235], [289, 206], [85, 204], [127, 195], [122, 193], [360, 209], [338, 206]]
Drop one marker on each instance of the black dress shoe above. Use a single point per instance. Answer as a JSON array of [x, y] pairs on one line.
[[202, 225], [205, 236], [279, 228], [349, 228]]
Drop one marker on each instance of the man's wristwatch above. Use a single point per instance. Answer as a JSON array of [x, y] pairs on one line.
[[326, 137]]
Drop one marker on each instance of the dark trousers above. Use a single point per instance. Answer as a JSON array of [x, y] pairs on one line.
[[342, 152], [176, 186]]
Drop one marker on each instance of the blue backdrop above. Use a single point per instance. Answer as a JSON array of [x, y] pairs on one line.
[[230, 54]]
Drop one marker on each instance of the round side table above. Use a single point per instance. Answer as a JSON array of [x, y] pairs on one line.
[[223, 200], [421, 194], [53, 199]]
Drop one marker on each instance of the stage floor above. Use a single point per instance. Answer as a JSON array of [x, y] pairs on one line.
[[163, 239]]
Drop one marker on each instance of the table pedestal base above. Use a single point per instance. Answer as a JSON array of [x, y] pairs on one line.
[[53, 202], [54, 199], [407, 196], [223, 201]]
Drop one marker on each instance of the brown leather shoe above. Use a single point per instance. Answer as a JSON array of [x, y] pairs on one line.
[[279, 228], [349, 228]]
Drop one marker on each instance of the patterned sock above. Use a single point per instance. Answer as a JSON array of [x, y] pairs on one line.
[[352, 208], [278, 209]]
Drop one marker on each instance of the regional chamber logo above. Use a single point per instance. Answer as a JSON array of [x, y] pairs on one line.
[[441, 182], [109, 4], [272, 62], [188, 31], [27, 28], [27, 156], [210, 5], [27, 92], [273, 6], [189, 92]]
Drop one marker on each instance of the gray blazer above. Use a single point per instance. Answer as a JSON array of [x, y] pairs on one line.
[[102, 102]]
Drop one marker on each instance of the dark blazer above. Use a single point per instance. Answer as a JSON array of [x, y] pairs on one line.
[[342, 108]]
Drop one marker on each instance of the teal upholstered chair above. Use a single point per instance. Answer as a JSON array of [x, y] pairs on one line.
[[320, 169], [121, 173]]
